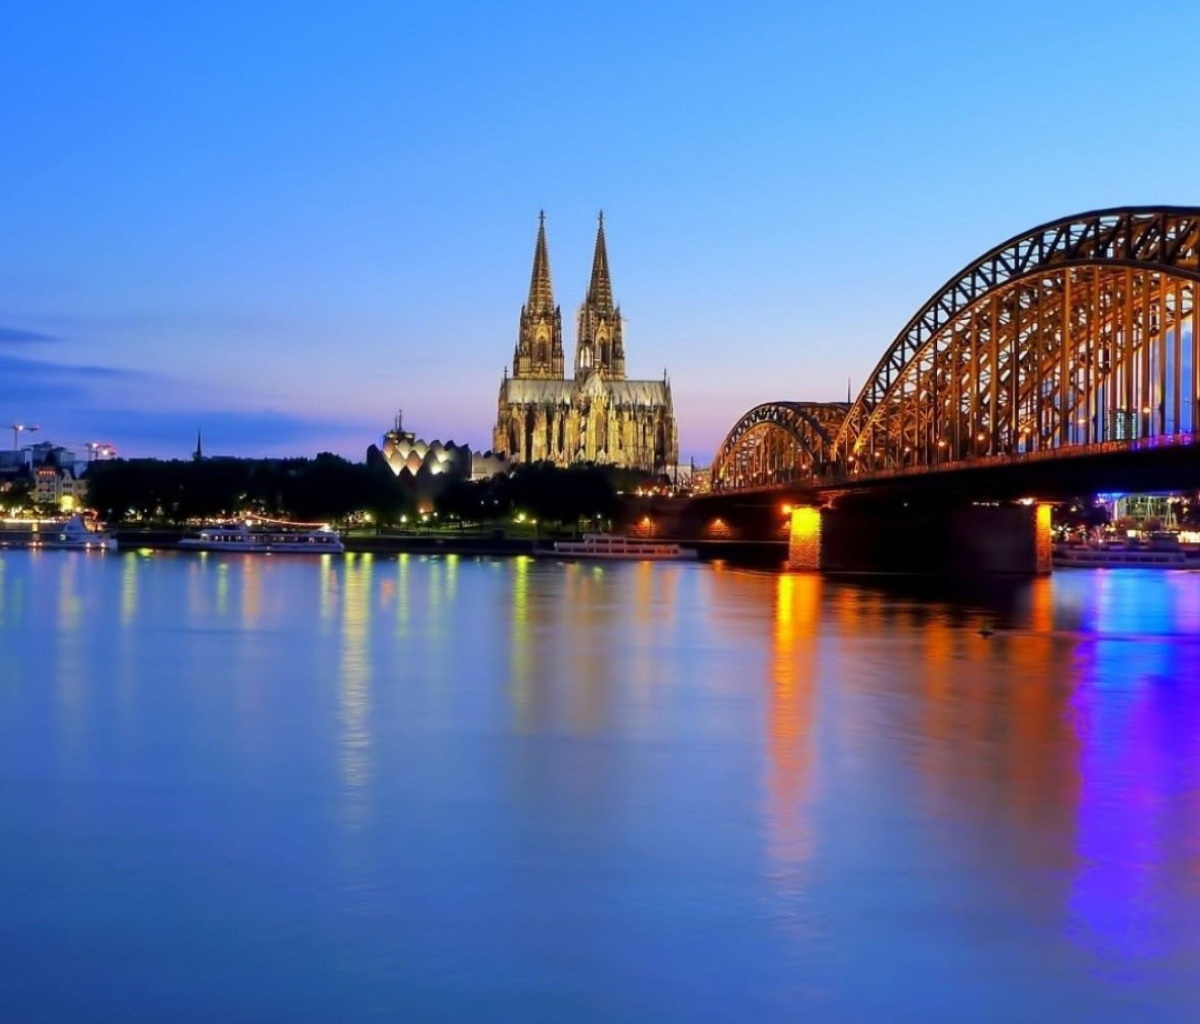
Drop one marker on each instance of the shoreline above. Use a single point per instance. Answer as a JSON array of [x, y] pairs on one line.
[[741, 552]]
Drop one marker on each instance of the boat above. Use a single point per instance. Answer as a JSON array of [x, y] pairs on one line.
[[73, 534], [239, 537], [605, 545], [1161, 552]]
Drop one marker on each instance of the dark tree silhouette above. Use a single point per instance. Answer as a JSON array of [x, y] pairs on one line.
[[327, 488]]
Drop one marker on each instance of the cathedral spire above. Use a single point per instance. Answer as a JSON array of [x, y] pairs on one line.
[[541, 295], [539, 353], [598, 344], [599, 294]]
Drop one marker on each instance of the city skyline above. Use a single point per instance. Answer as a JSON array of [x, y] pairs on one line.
[[280, 229]]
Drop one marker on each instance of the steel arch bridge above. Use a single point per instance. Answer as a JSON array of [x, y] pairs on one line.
[[778, 443], [1080, 336]]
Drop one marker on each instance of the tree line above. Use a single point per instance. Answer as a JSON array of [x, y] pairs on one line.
[[329, 488], [570, 497], [326, 489]]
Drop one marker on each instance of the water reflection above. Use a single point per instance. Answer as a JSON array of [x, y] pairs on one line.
[[354, 675], [127, 677], [68, 654], [402, 608], [590, 617], [222, 588], [1137, 708], [521, 644], [791, 706], [758, 782], [129, 589], [327, 590], [250, 569]]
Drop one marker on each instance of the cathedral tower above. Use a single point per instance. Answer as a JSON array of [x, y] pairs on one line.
[[598, 343], [539, 351], [599, 416]]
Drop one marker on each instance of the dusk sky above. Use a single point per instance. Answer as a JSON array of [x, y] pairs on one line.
[[280, 222]]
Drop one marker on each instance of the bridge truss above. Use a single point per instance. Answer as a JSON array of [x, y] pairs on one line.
[[778, 443], [1083, 334]]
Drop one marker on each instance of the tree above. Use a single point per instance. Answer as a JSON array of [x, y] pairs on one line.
[[325, 488], [17, 492], [476, 501], [564, 496]]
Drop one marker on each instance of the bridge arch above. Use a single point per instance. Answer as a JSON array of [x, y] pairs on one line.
[[777, 443], [1081, 332]]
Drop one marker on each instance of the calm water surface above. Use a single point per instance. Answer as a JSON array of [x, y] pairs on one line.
[[269, 789]]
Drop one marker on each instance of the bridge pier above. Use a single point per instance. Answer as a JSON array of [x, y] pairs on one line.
[[804, 539], [986, 539]]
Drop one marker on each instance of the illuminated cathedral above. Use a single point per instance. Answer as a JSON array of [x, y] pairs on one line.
[[599, 415]]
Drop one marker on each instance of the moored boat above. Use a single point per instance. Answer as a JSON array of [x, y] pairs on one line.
[[73, 534], [238, 537], [604, 545]]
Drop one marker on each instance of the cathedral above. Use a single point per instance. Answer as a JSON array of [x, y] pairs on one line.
[[599, 415]]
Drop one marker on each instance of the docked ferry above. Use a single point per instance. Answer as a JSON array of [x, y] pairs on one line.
[[74, 534], [604, 545], [239, 537]]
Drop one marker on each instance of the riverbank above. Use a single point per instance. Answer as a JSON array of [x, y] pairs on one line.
[[166, 539], [751, 553]]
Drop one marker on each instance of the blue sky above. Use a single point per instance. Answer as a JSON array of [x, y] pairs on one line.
[[279, 222]]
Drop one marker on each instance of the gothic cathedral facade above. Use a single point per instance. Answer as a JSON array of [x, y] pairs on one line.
[[599, 415]]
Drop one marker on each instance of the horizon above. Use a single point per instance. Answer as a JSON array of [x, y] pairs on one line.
[[280, 230]]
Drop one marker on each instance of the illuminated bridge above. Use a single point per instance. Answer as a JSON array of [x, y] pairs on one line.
[[1063, 361]]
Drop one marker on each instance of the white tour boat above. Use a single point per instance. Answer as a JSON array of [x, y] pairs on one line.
[[72, 534], [604, 545], [239, 537]]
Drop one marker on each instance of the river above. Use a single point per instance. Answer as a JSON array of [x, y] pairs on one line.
[[408, 788]]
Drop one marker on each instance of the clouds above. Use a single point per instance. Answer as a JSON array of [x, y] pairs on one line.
[[231, 431], [147, 413], [18, 336], [28, 384]]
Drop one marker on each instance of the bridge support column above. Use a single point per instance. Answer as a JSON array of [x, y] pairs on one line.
[[804, 539], [1042, 539]]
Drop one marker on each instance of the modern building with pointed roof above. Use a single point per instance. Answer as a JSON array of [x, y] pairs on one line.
[[599, 416]]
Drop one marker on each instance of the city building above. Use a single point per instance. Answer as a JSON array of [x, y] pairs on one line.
[[46, 453], [61, 487], [404, 452], [50, 475], [599, 415], [58, 477], [13, 462], [426, 468]]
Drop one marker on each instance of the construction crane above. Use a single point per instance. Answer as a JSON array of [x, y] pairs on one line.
[[100, 450], [16, 429]]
